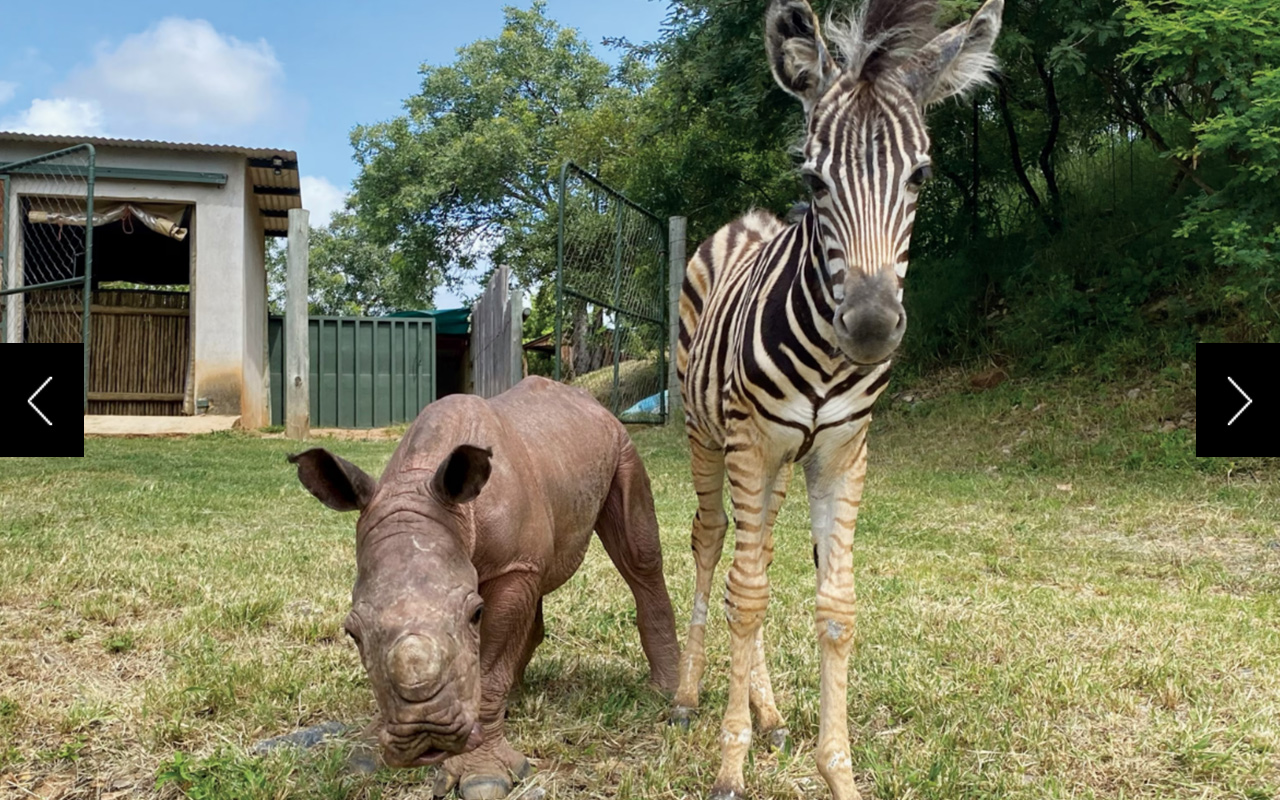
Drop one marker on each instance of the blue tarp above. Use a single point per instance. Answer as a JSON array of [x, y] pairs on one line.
[[650, 406]]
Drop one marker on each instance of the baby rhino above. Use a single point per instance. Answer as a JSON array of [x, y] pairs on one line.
[[486, 506]]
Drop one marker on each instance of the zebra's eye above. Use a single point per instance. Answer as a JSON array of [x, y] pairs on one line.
[[814, 182], [923, 173]]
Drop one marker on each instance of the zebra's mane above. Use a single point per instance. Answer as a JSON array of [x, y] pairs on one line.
[[882, 34]]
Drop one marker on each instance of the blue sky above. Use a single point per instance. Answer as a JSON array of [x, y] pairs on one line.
[[292, 75]]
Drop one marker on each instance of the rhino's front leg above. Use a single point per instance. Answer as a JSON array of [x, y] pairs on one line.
[[506, 630]]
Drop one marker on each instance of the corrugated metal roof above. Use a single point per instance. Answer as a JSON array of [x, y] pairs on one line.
[[257, 176], [148, 144]]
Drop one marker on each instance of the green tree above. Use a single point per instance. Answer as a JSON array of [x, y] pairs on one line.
[[351, 275], [1217, 66], [469, 173]]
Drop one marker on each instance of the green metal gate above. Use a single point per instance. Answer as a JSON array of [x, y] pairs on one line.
[[611, 298], [366, 372], [46, 250]]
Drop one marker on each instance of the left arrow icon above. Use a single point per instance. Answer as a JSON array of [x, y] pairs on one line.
[[31, 401]]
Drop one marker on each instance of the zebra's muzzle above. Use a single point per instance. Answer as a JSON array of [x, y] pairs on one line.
[[870, 322]]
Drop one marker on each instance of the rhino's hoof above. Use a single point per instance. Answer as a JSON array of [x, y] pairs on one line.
[[780, 740], [484, 787], [445, 781], [681, 717], [524, 771], [726, 794]]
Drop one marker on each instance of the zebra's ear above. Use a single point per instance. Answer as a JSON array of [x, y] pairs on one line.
[[957, 59], [798, 56]]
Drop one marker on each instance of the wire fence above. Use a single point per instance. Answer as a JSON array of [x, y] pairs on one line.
[[46, 247], [611, 298]]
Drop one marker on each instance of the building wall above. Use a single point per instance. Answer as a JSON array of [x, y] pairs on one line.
[[228, 279]]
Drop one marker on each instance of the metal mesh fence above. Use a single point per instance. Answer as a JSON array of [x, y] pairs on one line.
[[611, 298], [46, 247]]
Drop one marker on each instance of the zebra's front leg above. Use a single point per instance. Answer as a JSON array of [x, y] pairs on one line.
[[835, 493], [709, 527], [751, 479]]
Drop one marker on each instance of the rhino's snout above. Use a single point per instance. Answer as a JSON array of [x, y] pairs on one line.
[[416, 666]]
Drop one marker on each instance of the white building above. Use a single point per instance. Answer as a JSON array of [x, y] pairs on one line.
[[178, 321]]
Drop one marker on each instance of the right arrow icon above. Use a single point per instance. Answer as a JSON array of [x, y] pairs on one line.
[[1248, 401]]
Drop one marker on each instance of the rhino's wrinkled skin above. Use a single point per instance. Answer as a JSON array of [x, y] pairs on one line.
[[486, 506]]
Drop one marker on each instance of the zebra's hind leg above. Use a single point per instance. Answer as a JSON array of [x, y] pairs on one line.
[[709, 525], [768, 721]]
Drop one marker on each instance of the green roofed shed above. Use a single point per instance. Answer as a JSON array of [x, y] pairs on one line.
[[453, 347], [449, 321]]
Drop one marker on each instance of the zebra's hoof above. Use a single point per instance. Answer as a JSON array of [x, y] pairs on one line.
[[780, 740], [681, 717]]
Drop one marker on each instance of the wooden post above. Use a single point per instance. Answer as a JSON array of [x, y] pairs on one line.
[[676, 236], [297, 350]]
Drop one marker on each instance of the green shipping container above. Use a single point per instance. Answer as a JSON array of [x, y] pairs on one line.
[[366, 372]]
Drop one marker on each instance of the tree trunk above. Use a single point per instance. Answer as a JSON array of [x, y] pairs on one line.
[[975, 221], [1130, 109], [1051, 142], [1002, 97], [589, 350]]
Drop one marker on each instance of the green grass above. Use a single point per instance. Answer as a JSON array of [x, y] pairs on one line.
[[1056, 599]]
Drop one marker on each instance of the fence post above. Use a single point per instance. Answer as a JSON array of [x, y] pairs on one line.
[[676, 235], [297, 350], [11, 262]]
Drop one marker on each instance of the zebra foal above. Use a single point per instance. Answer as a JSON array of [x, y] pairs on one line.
[[786, 335]]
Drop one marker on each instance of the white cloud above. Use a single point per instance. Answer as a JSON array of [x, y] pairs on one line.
[[63, 116], [321, 198], [7, 90], [183, 77]]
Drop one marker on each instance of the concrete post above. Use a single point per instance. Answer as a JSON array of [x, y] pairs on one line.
[[297, 350], [676, 237]]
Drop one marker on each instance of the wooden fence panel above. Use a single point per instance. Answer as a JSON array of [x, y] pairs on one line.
[[496, 336], [140, 345]]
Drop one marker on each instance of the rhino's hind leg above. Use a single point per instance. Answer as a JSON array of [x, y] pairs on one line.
[[628, 529]]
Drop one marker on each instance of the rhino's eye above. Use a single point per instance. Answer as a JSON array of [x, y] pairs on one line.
[[352, 631], [479, 612]]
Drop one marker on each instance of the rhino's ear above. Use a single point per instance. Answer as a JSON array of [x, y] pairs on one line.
[[334, 481], [463, 474]]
